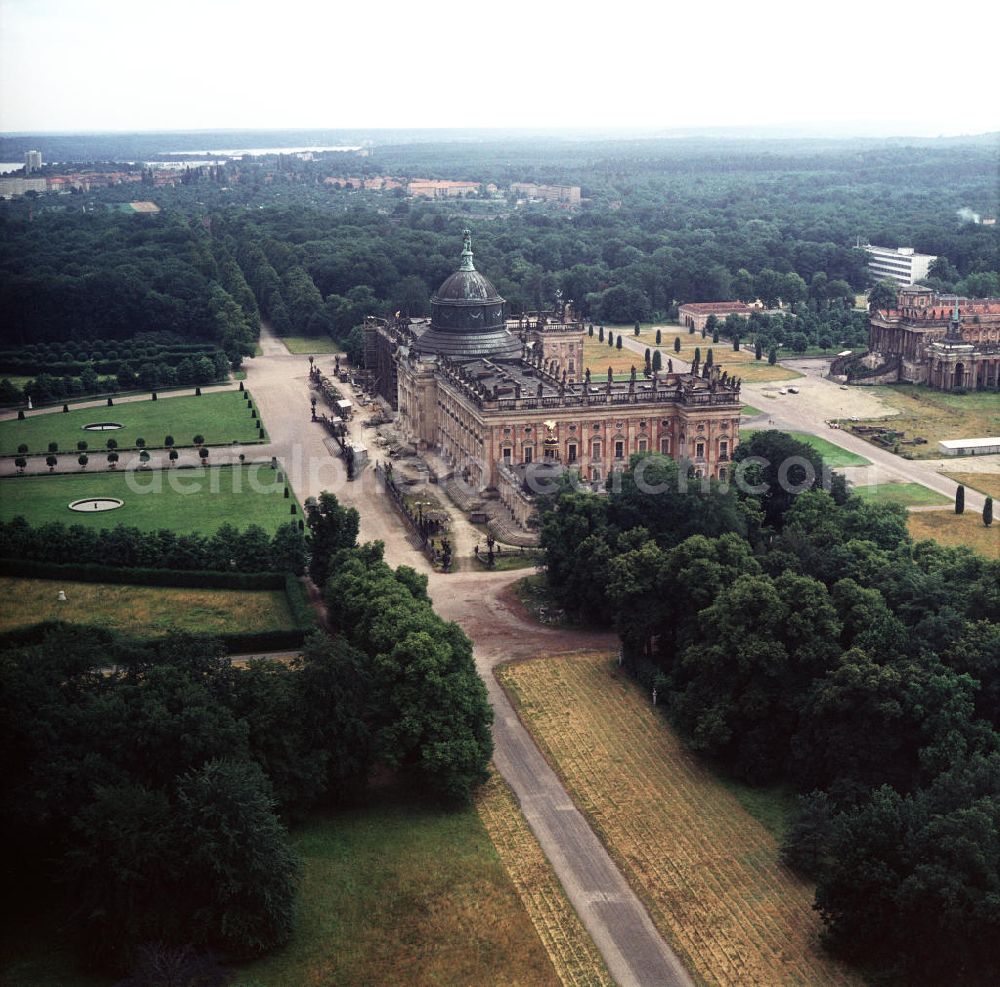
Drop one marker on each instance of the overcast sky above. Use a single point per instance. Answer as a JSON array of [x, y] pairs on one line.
[[913, 68]]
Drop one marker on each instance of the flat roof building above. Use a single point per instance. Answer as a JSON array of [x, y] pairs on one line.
[[970, 447], [903, 265], [695, 314]]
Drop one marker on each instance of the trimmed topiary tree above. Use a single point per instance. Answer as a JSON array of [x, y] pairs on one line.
[[53, 447], [51, 462], [140, 443], [169, 441], [960, 500], [23, 449], [112, 459], [112, 444], [83, 460], [20, 463], [81, 446], [988, 512], [203, 453], [199, 440], [172, 456], [677, 344], [659, 337]]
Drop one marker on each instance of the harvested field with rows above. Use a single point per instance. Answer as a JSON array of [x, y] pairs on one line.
[[572, 951], [709, 873]]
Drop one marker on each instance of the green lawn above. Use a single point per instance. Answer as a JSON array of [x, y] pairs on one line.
[[311, 345], [749, 411], [392, 892], [907, 494], [222, 417], [397, 892], [833, 455], [183, 500], [773, 807], [145, 611]]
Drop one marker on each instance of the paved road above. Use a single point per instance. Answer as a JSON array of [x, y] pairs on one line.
[[820, 399], [619, 924]]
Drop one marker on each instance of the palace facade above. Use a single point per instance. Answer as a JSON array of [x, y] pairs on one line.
[[942, 341], [492, 395]]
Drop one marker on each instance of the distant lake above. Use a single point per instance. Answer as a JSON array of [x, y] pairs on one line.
[[236, 152]]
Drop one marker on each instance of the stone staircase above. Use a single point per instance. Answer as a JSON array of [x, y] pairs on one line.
[[507, 532]]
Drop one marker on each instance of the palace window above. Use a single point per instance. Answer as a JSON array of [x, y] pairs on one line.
[[506, 454], [529, 453], [571, 452], [619, 450], [595, 450], [699, 450], [642, 445], [724, 449], [597, 427], [665, 445]]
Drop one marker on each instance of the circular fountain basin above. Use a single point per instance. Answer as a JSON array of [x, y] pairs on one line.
[[91, 504], [102, 426]]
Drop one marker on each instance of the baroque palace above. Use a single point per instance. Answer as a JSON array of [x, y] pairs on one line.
[[503, 401], [942, 341]]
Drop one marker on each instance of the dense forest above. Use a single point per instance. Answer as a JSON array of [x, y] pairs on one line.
[[803, 638], [170, 831], [663, 223]]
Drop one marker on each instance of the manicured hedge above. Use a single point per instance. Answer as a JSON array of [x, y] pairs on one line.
[[235, 644], [89, 572]]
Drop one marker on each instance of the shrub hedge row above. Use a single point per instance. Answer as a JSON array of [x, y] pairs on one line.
[[90, 572]]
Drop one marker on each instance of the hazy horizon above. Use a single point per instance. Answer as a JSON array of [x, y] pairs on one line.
[[220, 65]]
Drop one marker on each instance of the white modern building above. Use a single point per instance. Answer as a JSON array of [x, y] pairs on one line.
[[900, 264], [970, 447], [32, 161]]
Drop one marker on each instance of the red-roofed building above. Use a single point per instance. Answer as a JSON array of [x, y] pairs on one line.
[[921, 341], [695, 314]]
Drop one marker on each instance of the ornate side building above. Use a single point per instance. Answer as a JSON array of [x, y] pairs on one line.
[[942, 341], [493, 396]]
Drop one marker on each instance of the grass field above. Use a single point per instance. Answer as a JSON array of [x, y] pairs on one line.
[[392, 893], [936, 415], [749, 411], [708, 871], [570, 948], [222, 417], [398, 893], [597, 357], [833, 455], [311, 345], [740, 363], [146, 611], [985, 483], [907, 494], [196, 499], [958, 530]]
